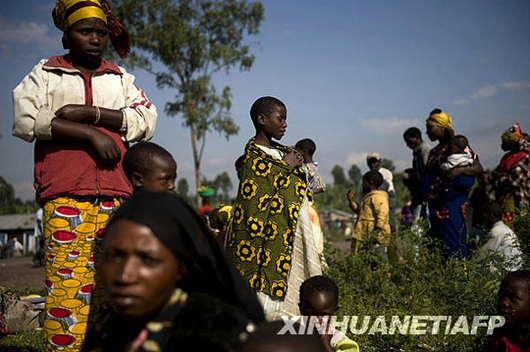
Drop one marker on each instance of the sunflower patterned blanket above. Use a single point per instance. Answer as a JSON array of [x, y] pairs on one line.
[[265, 217]]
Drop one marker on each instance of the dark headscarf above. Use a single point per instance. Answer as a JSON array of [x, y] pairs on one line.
[[181, 230]]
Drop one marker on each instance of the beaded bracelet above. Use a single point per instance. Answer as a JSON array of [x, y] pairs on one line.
[[98, 115]]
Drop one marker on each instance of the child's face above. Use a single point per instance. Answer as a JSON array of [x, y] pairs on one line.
[[453, 148], [87, 40], [319, 304], [275, 124], [374, 164], [514, 301], [162, 176]]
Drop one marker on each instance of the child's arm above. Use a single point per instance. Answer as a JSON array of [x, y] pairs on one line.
[[351, 200], [104, 145], [136, 121], [108, 118], [293, 158]]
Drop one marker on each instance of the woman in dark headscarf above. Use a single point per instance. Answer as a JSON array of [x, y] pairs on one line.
[[169, 284]]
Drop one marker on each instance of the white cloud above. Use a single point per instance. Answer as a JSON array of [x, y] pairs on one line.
[[358, 158], [484, 92], [462, 102], [390, 125], [24, 190], [515, 85], [26, 33], [490, 90]]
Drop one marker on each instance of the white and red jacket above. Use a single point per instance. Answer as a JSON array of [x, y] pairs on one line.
[[71, 168]]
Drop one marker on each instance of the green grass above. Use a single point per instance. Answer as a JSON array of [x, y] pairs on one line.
[[27, 341], [423, 285]]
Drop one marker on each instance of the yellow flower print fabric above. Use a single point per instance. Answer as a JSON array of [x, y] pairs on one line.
[[265, 216]]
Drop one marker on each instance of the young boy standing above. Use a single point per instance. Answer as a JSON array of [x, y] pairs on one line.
[[270, 238], [372, 213]]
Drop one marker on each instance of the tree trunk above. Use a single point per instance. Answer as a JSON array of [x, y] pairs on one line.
[[197, 165]]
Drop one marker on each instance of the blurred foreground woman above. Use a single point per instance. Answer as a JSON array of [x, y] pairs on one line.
[[168, 282]]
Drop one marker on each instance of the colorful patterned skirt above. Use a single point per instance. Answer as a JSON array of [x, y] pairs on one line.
[[73, 232]]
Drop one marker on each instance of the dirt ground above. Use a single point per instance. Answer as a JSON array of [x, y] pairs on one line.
[[20, 272]]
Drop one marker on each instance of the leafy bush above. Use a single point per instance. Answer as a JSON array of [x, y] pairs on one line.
[[423, 285]]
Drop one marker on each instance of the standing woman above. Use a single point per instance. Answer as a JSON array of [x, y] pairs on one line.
[[82, 111], [447, 210], [512, 176]]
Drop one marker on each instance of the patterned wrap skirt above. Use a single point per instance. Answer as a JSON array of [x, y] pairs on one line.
[[73, 233]]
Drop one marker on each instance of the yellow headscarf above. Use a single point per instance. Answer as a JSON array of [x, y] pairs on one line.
[[68, 12], [441, 119]]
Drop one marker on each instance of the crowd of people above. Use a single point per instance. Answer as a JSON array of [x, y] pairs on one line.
[[130, 266]]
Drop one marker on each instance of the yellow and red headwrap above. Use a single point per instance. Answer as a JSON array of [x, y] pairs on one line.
[[68, 12], [512, 135], [443, 120]]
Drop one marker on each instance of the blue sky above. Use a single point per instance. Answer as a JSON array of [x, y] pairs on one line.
[[353, 74]]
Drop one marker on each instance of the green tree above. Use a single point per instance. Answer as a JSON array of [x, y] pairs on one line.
[[183, 187], [339, 177], [355, 174], [191, 40], [9, 204], [224, 183]]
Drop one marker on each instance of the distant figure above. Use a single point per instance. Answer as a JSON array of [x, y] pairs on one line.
[[316, 184], [149, 167], [502, 240], [270, 239], [372, 215], [239, 166], [374, 163], [514, 305], [480, 197], [420, 154], [17, 248], [267, 339], [512, 176], [319, 299], [447, 210], [206, 208]]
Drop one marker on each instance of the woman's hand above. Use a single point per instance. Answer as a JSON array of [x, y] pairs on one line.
[[77, 113], [350, 195], [453, 173], [293, 158], [105, 147]]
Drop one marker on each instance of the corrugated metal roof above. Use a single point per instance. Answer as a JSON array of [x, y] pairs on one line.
[[17, 222]]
